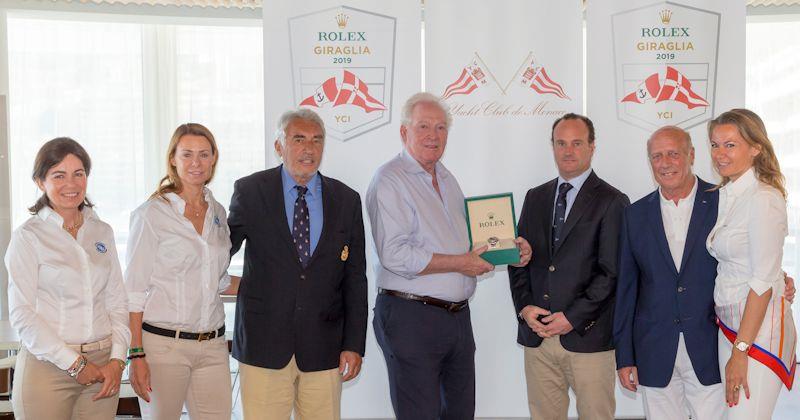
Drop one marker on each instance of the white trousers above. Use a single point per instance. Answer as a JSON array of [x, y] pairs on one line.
[[684, 395], [763, 382]]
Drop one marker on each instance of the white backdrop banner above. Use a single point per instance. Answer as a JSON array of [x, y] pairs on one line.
[[652, 64], [354, 62], [508, 69]]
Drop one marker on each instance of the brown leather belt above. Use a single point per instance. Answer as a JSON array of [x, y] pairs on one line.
[[427, 300]]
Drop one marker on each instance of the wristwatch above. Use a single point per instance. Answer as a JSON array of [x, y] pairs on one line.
[[742, 346]]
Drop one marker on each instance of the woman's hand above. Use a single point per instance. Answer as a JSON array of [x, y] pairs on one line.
[[89, 375], [736, 377], [139, 375], [112, 376]]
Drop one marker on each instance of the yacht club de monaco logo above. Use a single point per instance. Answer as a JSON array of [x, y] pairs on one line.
[[530, 91], [343, 68], [665, 59]]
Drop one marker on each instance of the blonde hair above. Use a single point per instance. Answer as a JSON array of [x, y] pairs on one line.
[[171, 182], [753, 131]]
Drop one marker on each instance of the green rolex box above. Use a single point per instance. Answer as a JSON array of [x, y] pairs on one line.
[[491, 221]]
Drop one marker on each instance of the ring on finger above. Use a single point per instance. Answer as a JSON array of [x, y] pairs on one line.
[[737, 387]]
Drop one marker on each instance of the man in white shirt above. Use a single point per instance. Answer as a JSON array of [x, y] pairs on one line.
[[664, 323]]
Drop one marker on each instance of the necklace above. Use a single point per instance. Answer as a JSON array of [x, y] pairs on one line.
[[194, 210], [74, 228]]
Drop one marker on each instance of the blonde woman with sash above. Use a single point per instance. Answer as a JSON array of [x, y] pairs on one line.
[[757, 335]]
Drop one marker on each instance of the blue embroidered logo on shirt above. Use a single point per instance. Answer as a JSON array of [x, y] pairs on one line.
[[216, 220], [101, 247]]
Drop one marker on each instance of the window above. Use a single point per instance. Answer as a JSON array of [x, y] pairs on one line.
[[120, 89], [773, 91]]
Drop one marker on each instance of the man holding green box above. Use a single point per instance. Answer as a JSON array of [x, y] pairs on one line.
[[427, 272]]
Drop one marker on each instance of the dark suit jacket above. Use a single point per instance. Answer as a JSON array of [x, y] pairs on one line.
[[656, 301], [579, 277], [283, 309]]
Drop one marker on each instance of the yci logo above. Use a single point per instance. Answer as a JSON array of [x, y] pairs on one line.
[[342, 66], [665, 59]]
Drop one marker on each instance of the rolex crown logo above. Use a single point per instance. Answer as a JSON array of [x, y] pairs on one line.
[[491, 216], [341, 20], [665, 15]]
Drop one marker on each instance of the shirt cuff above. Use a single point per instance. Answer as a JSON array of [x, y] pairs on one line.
[[136, 301], [118, 351], [65, 357], [759, 286], [224, 283], [419, 264]]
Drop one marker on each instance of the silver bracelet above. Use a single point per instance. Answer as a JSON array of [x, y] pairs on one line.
[[75, 371]]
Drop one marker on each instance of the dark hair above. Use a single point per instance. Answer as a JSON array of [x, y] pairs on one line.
[[572, 116], [51, 154]]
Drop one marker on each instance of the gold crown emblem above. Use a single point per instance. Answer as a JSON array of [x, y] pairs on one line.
[[665, 15], [341, 20]]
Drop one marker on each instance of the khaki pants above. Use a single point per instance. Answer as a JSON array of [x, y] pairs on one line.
[[194, 372], [43, 391], [271, 393], [550, 370]]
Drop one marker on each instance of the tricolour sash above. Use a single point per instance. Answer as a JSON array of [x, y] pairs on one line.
[[774, 346]]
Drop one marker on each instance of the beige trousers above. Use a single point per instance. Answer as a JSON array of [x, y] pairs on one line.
[[550, 370], [43, 391], [187, 371], [272, 393]]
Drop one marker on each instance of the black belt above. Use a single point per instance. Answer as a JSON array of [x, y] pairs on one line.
[[427, 300], [182, 334]]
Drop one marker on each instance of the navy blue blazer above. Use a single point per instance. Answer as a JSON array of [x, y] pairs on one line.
[[656, 301]]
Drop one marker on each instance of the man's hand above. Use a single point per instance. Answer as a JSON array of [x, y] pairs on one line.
[[525, 251], [789, 291], [473, 265], [349, 365], [530, 315], [557, 324], [628, 377]]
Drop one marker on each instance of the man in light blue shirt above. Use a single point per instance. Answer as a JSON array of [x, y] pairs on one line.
[[313, 197], [427, 272]]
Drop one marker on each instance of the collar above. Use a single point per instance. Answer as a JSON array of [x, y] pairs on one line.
[[741, 185], [179, 204], [410, 165], [289, 182], [576, 182], [49, 215], [688, 199]]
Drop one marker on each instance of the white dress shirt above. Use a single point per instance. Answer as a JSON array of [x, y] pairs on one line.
[[748, 240], [174, 275], [676, 220], [63, 290], [410, 222]]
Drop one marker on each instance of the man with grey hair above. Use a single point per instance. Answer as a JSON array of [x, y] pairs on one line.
[[427, 272], [301, 313]]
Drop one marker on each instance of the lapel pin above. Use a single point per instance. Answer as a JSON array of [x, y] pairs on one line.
[[101, 247], [345, 253]]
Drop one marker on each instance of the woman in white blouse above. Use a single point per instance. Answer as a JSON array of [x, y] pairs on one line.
[[66, 298], [757, 333], [178, 254]]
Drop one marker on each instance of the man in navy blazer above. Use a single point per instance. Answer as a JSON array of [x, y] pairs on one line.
[[664, 322], [301, 312]]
